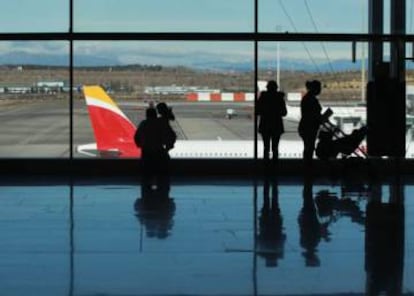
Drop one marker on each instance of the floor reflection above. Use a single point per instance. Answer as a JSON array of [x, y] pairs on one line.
[[271, 238], [384, 241], [294, 237], [377, 209], [155, 209], [156, 215], [312, 230]]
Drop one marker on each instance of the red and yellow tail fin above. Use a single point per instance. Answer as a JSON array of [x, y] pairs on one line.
[[114, 132]]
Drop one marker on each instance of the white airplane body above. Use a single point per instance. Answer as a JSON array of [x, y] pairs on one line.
[[114, 135], [216, 149], [232, 149], [340, 113]]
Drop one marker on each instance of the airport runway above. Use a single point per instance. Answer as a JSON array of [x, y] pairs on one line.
[[32, 128], [208, 121]]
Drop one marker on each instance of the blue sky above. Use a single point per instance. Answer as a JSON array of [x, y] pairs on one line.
[[182, 15], [33, 15], [186, 15]]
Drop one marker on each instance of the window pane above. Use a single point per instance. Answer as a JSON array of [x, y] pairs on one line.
[[34, 99], [209, 85], [343, 83], [410, 16], [409, 78], [164, 15], [34, 16], [315, 16]]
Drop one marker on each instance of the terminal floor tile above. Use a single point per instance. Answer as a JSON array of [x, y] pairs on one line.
[[206, 236]]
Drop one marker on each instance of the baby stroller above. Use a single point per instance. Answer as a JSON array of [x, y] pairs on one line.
[[333, 141]]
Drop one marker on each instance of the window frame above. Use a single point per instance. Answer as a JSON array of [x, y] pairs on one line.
[[254, 37]]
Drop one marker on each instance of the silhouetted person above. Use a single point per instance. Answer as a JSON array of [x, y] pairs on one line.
[[310, 119], [271, 239], [165, 116], [311, 229], [156, 214], [270, 108], [151, 139]]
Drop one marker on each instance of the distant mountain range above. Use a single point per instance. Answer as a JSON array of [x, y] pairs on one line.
[[286, 64], [24, 58]]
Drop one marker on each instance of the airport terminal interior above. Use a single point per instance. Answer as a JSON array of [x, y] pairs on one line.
[[79, 214]]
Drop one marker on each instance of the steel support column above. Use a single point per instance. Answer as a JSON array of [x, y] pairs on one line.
[[386, 87], [397, 76], [375, 26]]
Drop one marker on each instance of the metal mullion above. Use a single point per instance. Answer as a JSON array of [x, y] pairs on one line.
[[71, 80], [256, 64], [42, 36], [255, 36], [203, 36]]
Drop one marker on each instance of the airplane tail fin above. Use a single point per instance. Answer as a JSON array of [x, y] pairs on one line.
[[114, 132]]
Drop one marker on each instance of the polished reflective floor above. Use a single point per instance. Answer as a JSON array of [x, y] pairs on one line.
[[290, 236]]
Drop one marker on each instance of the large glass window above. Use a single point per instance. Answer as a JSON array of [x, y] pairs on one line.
[[409, 103], [208, 85], [410, 17], [164, 16], [34, 99], [313, 16], [343, 80], [34, 16]]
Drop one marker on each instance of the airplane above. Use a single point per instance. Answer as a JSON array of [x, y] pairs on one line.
[[114, 135], [343, 116], [357, 115]]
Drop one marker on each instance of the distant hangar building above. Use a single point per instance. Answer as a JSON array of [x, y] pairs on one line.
[[50, 86]]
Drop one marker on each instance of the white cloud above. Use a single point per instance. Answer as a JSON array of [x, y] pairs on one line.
[[169, 53], [36, 47]]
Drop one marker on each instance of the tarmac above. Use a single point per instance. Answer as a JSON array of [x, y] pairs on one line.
[[41, 128]]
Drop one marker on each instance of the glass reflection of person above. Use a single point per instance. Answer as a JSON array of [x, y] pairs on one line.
[[311, 229], [155, 212], [271, 238]]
